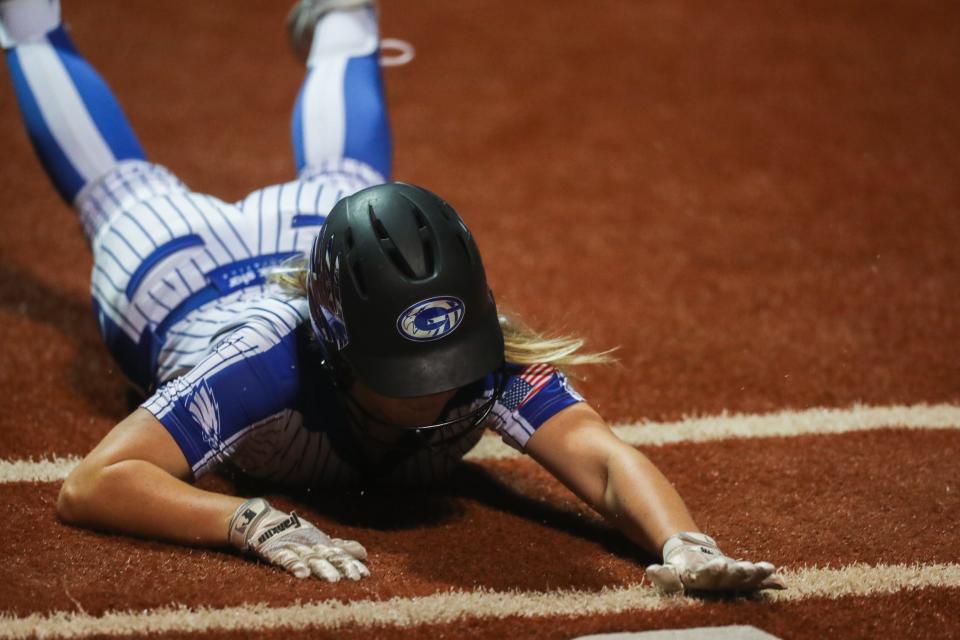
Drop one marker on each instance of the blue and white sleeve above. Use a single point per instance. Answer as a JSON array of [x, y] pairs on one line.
[[250, 376], [532, 395]]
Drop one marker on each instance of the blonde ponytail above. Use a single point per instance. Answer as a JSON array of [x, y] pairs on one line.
[[523, 345], [291, 275]]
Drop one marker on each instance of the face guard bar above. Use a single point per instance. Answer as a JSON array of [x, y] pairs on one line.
[[370, 425]]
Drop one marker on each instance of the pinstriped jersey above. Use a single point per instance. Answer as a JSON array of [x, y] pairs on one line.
[[173, 267], [179, 283]]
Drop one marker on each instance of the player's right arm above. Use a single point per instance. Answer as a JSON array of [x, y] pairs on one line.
[[135, 482]]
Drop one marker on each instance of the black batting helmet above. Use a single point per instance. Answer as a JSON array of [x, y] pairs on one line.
[[398, 294]]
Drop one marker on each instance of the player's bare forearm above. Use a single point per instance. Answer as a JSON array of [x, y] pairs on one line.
[[139, 498], [615, 479], [134, 482], [641, 502]]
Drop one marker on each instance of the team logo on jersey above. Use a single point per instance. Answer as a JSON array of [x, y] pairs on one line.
[[431, 319], [205, 411]]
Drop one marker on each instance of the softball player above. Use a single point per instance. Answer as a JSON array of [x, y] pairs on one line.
[[335, 329]]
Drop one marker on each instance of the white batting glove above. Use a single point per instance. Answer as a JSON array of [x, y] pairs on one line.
[[284, 539], [693, 561]]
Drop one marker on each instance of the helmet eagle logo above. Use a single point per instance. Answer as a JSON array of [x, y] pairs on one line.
[[431, 319]]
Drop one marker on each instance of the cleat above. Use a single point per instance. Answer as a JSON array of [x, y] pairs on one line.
[[305, 15], [24, 21]]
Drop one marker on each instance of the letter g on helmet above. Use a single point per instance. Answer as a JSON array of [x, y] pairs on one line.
[[398, 294]]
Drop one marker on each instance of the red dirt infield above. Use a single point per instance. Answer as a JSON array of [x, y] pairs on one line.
[[757, 202]]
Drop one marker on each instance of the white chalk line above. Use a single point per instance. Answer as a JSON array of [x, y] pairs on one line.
[[692, 430], [460, 606], [44, 470], [767, 425]]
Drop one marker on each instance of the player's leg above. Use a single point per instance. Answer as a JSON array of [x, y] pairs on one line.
[[340, 111], [76, 125], [95, 161]]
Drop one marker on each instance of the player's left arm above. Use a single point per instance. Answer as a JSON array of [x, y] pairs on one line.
[[618, 481], [578, 448]]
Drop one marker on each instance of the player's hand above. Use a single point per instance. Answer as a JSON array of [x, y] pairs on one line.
[[286, 540], [693, 561]]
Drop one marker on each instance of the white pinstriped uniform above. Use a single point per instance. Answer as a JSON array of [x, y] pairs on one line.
[[149, 210], [178, 278]]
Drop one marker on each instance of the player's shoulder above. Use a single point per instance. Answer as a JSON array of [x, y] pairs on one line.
[[535, 376], [258, 332], [537, 368], [253, 367], [532, 388], [532, 394]]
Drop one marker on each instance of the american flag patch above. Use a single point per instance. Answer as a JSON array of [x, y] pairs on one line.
[[524, 386]]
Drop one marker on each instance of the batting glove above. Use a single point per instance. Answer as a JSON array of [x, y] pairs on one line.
[[286, 540], [693, 561]]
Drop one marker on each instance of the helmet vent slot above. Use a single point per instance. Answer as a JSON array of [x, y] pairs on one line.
[[397, 258], [422, 224], [378, 227], [427, 252], [393, 252], [426, 238], [357, 274]]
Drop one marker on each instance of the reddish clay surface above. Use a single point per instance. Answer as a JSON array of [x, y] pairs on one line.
[[757, 201]]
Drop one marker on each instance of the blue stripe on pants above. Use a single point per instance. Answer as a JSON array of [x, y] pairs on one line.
[[367, 127], [297, 126], [101, 106], [99, 100], [65, 176]]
